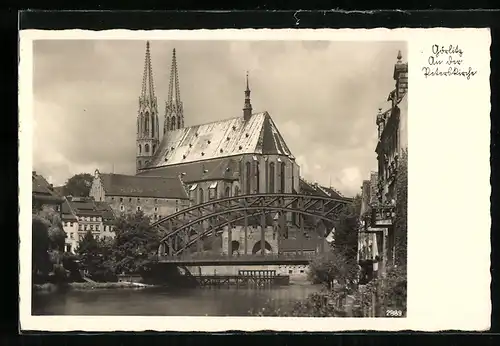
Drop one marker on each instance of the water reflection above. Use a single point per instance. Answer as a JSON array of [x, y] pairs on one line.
[[167, 302]]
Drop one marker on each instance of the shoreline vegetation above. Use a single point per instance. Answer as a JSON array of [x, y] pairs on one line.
[[85, 286]]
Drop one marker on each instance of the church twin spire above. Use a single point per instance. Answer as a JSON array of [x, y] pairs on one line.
[[174, 113], [148, 137]]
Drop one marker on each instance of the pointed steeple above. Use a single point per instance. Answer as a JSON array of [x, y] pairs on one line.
[[174, 113], [148, 130], [148, 89], [247, 109]]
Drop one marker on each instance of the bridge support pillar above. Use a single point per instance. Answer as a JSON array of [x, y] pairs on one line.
[[263, 234], [246, 231], [229, 239]]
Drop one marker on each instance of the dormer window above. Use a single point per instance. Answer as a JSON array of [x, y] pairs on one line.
[[221, 150], [202, 153], [246, 135], [209, 141], [183, 156], [227, 138], [240, 147], [234, 128]]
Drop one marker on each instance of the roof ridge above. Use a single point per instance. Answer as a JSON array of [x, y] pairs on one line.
[[141, 176], [220, 121]]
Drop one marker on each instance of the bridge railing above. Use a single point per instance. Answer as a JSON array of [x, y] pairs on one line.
[[235, 257]]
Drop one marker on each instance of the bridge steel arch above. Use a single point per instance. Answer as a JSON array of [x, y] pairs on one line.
[[189, 226]]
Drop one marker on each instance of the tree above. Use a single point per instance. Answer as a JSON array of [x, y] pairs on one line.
[[333, 266], [96, 256], [78, 185], [135, 241], [40, 245], [346, 230], [401, 219]]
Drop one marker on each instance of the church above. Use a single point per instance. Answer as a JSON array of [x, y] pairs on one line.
[[241, 155]]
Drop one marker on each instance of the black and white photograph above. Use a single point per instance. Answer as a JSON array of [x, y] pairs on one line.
[[219, 178], [250, 180]]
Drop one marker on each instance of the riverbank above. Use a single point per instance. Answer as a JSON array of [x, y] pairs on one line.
[[84, 286]]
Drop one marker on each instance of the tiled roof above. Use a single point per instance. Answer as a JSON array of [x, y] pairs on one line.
[[143, 186], [317, 190], [216, 169], [107, 213], [42, 190], [67, 212], [220, 139]]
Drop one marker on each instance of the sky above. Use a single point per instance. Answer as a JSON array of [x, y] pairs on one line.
[[323, 96]]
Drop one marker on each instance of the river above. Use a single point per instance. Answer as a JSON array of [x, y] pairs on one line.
[[168, 302]]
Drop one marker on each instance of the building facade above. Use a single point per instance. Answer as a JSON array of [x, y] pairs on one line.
[[157, 197], [83, 214], [376, 241]]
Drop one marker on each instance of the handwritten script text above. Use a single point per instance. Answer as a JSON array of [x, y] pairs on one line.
[[447, 62]]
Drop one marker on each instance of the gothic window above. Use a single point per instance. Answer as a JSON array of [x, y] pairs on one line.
[[153, 123], [257, 177], [293, 179], [139, 163], [173, 123], [271, 177], [237, 191], [201, 196], [147, 123], [282, 176], [154, 148], [140, 148], [248, 177], [138, 130], [228, 192], [146, 148], [178, 122]]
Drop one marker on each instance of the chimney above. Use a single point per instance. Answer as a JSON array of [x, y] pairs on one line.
[[401, 77]]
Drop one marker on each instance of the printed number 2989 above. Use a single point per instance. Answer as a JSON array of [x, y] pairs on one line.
[[394, 313]]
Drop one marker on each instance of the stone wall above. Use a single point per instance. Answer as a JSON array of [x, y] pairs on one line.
[[156, 208], [297, 273]]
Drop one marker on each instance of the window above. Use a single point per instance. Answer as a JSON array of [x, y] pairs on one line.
[[99, 219], [121, 199], [130, 199], [138, 200], [146, 148], [201, 197], [228, 191], [88, 218], [140, 151], [266, 176], [122, 208], [237, 190], [97, 227], [248, 178], [91, 227], [71, 235], [282, 176], [71, 224], [147, 123], [293, 179], [85, 227], [154, 149], [271, 177], [80, 227], [138, 208], [153, 125], [156, 200], [257, 177], [156, 209]]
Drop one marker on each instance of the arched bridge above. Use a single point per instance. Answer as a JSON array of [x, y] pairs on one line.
[[192, 225]]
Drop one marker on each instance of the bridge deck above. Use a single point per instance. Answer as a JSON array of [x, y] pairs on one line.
[[235, 260]]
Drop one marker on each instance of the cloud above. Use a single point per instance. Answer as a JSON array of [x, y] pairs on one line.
[[322, 95]]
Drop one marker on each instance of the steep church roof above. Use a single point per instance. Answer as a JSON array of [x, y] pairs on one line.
[[220, 139], [143, 186]]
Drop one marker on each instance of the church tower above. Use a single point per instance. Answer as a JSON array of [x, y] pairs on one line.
[[148, 137], [247, 109], [174, 113]]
